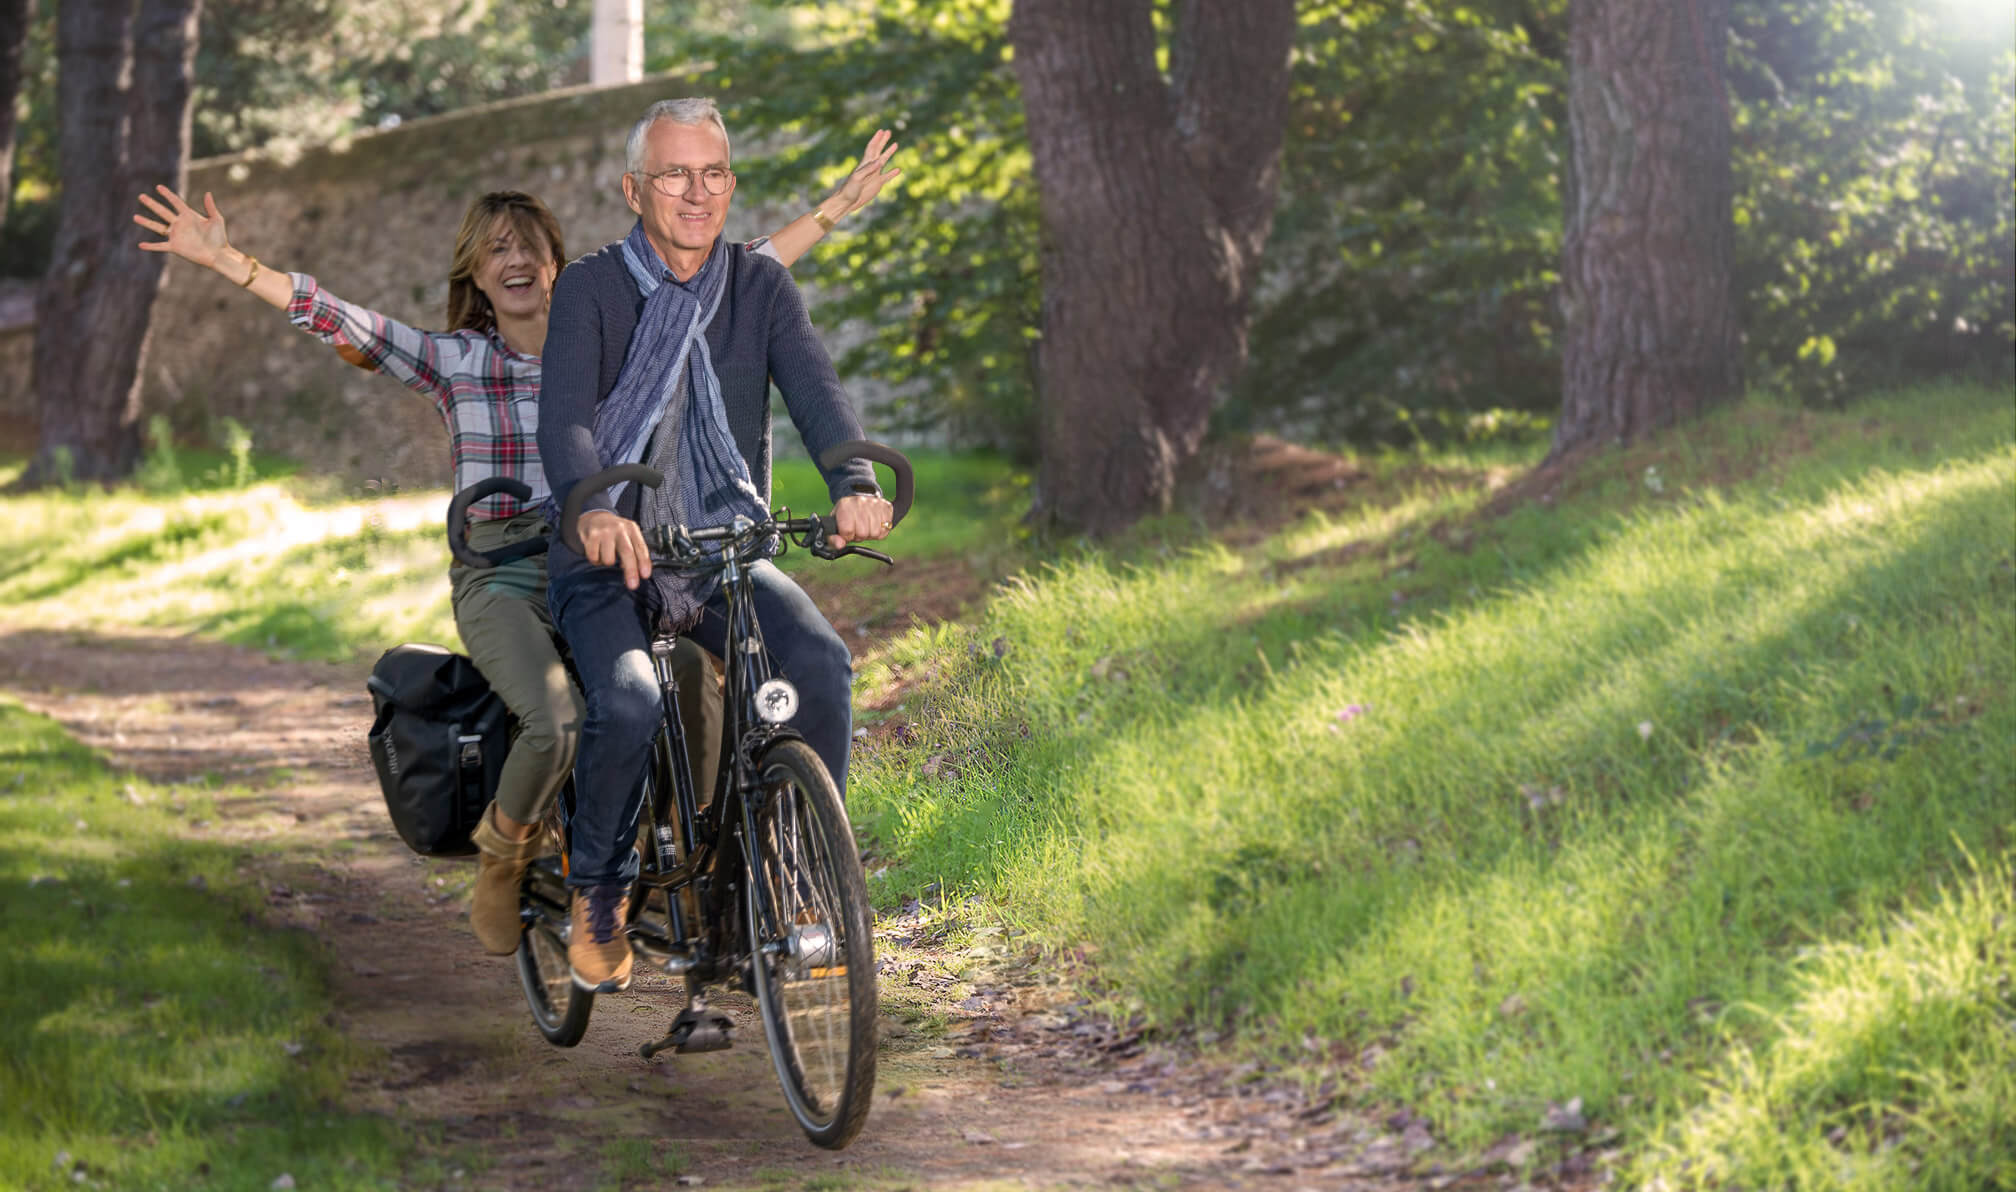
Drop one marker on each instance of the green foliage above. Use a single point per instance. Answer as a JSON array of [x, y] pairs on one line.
[[1408, 286], [152, 1034], [1410, 275], [159, 471], [1496, 812], [1876, 225], [237, 443], [280, 75], [943, 275], [275, 72]]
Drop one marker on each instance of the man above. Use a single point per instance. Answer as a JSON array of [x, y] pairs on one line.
[[712, 325]]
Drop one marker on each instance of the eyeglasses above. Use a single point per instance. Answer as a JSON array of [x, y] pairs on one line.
[[678, 180]]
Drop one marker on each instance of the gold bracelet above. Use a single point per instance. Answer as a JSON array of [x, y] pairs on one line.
[[252, 276], [824, 220]]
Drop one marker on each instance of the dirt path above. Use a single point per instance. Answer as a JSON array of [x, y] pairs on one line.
[[1017, 1093]]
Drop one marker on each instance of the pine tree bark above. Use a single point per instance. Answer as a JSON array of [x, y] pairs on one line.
[[1650, 332], [1157, 194], [123, 89], [13, 40]]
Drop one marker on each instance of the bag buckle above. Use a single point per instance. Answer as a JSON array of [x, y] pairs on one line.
[[472, 750]]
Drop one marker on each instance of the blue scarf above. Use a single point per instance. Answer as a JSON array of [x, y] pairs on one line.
[[667, 358]]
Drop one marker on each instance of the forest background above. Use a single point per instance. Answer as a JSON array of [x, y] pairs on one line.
[[1408, 289], [1657, 794]]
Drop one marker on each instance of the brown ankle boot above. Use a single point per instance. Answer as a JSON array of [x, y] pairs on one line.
[[597, 949], [500, 865]]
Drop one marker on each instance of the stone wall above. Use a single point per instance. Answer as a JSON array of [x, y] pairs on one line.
[[374, 219]]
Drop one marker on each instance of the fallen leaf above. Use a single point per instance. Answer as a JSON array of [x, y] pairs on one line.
[[1565, 1119]]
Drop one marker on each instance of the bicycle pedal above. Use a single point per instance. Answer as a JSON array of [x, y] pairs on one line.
[[697, 1030]]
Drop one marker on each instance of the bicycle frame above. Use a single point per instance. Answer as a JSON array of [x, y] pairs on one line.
[[757, 888], [727, 827]]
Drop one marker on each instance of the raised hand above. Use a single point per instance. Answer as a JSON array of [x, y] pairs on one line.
[[196, 238], [868, 178]]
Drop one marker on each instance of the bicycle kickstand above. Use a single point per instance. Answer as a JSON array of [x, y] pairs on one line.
[[696, 1029]]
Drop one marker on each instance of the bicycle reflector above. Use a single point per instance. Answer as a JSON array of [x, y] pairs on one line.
[[776, 701]]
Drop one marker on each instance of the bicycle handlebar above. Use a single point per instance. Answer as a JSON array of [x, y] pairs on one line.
[[458, 524], [649, 477]]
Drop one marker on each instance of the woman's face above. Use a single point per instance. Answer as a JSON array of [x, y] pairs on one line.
[[514, 274]]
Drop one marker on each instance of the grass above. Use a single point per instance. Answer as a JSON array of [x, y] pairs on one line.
[[283, 566], [154, 1036], [1503, 814], [1675, 797]]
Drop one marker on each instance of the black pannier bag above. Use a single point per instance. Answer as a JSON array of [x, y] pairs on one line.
[[438, 743]]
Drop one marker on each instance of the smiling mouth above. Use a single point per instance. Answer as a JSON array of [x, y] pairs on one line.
[[518, 283]]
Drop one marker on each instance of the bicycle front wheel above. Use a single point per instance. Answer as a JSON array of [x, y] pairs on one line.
[[813, 954]]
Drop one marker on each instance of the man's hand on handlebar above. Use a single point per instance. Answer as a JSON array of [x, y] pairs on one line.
[[610, 539], [860, 518]]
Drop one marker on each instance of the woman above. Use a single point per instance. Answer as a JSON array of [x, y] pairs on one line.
[[483, 376]]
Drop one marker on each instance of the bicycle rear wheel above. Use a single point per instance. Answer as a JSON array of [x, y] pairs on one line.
[[813, 959], [559, 1007]]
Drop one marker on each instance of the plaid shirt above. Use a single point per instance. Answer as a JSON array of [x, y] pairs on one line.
[[486, 393]]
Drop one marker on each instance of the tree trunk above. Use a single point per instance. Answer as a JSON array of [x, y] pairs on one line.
[[1650, 335], [13, 38], [123, 89], [1157, 194]]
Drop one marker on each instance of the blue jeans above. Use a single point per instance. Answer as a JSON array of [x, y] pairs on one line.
[[606, 627]]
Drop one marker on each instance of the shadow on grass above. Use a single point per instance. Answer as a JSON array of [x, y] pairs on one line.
[[156, 1032], [1729, 877], [82, 564]]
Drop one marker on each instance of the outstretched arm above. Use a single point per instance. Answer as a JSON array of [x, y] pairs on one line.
[[363, 337], [860, 188], [200, 239]]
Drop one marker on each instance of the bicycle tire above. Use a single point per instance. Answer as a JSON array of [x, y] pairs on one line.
[[815, 984], [559, 1007]]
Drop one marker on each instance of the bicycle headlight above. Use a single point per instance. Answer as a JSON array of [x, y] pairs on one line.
[[776, 701]]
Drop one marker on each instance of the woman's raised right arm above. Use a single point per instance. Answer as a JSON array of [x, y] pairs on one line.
[[200, 239], [362, 337]]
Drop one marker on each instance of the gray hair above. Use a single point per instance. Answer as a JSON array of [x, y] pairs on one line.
[[691, 112]]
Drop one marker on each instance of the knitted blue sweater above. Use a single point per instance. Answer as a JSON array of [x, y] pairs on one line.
[[760, 334]]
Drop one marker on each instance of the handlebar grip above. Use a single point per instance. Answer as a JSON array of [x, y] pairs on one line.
[[458, 523], [881, 453], [570, 513]]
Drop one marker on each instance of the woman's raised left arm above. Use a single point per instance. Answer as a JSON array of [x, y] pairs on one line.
[[859, 189]]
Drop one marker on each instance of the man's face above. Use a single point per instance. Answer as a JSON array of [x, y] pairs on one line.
[[687, 222]]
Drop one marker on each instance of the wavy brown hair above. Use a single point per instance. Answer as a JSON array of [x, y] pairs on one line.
[[468, 308]]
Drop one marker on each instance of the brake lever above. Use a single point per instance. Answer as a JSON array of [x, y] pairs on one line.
[[865, 553], [821, 549]]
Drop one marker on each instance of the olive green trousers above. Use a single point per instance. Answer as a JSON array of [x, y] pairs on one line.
[[508, 632]]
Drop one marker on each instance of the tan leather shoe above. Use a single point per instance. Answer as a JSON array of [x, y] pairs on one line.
[[597, 949], [500, 867]]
